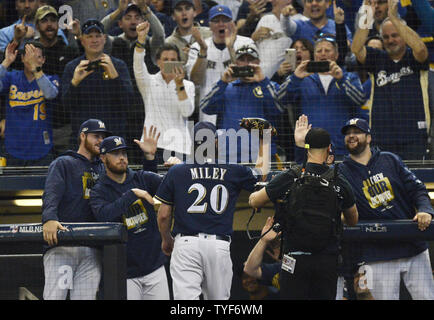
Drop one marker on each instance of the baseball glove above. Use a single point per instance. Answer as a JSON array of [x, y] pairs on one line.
[[257, 123]]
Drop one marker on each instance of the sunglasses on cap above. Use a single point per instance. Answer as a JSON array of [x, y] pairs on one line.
[[324, 36], [246, 51]]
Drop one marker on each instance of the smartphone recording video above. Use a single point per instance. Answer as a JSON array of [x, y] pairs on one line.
[[169, 66], [318, 66]]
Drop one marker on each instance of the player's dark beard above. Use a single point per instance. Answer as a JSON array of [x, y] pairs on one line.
[[361, 146], [49, 37], [114, 169]]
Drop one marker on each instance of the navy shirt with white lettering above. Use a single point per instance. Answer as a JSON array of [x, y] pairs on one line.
[[204, 196], [399, 109]]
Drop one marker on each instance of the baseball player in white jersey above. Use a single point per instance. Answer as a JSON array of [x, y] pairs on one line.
[[209, 58]]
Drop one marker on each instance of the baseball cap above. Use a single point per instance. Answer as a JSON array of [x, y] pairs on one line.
[[358, 123], [43, 11], [132, 6], [112, 143], [93, 125], [176, 2], [317, 138], [247, 49], [220, 10], [204, 125], [92, 24]]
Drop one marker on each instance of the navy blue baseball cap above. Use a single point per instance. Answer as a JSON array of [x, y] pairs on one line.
[[176, 2], [92, 24], [357, 123], [204, 125], [134, 7], [220, 10], [93, 125], [112, 143]]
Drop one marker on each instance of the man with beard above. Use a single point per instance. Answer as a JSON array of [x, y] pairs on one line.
[[24, 27], [310, 273], [57, 54], [124, 195], [399, 109], [385, 189], [66, 199]]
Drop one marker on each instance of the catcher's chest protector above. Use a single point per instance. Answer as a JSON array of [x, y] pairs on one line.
[[312, 213]]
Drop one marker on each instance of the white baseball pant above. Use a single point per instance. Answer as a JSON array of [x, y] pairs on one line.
[[153, 286], [77, 269], [415, 271], [201, 265]]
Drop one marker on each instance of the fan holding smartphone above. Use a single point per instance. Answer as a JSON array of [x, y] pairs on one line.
[[325, 92]]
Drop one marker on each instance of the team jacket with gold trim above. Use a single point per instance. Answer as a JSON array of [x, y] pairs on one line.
[[237, 100], [115, 202], [67, 188], [386, 189]]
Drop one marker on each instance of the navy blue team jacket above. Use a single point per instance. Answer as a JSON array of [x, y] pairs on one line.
[[386, 189], [114, 202], [67, 188]]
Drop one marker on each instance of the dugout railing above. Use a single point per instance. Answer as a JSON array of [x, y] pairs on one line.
[[21, 251], [22, 277]]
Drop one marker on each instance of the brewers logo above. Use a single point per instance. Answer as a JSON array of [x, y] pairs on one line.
[[118, 141], [258, 92]]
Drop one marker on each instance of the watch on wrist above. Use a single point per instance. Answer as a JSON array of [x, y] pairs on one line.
[[203, 56]]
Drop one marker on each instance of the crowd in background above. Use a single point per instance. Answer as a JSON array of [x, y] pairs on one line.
[[42, 110]]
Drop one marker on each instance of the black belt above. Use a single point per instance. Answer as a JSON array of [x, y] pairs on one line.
[[224, 238]]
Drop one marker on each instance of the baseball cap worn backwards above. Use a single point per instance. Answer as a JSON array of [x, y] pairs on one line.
[[220, 10], [112, 143], [357, 123], [44, 11], [93, 125], [92, 24], [317, 138]]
